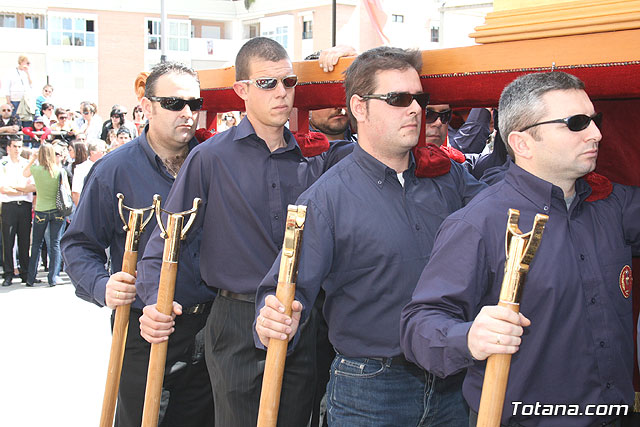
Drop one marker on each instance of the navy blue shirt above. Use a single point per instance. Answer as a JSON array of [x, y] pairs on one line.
[[245, 190], [579, 347], [366, 240], [137, 172]]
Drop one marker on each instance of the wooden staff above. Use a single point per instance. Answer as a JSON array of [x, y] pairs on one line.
[[520, 249], [134, 228], [285, 292], [173, 233]]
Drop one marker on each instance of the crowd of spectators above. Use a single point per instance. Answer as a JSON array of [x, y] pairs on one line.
[[40, 142]]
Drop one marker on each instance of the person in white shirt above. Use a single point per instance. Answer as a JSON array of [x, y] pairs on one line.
[[18, 82], [16, 195], [97, 149]]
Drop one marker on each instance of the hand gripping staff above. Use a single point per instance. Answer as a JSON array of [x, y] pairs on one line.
[[285, 292], [134, 228], [173, 233], [520, 248]]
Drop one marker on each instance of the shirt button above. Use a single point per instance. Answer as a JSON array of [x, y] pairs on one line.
[[545, 208], [276, 217], [608, 385], [417, 226], [601, 343], [581, 257], [379, 182], [593, 300], [273, 185]]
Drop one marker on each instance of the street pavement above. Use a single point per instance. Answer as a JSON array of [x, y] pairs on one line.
[[54, 350]]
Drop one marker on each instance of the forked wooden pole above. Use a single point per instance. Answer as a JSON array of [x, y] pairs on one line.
[[285, 292], [173, 233], [134, 227], [520, 249]]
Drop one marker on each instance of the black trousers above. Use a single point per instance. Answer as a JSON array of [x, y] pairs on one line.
[[236, 366], [16, 221], [186, 392]]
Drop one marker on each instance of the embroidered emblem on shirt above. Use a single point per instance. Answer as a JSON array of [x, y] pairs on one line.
[[626, 281]]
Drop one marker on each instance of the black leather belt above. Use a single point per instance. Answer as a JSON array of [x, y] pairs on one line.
[[394, 361], [240, 297], [198, 308], [16, 202]]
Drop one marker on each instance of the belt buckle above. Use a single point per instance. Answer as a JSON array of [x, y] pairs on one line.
[[19, 202]]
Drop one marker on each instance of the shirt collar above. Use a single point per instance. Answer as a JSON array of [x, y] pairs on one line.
[[539, 191], [154, 159], [377, 170], [245, 129]]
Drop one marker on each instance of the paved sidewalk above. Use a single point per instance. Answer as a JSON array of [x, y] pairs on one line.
[[54, 350]]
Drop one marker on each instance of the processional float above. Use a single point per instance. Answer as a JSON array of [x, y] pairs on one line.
[[595, 40]]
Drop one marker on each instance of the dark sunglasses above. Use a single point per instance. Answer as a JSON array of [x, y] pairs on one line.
[[432, 116], [401, 99], [172, 103], [62, 117], [268, 83], [574, 123]]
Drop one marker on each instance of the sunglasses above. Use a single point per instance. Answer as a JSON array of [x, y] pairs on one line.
[[63, 117], [574, 123], [432, 116], [268, 83], [401, 99], [172, 103]]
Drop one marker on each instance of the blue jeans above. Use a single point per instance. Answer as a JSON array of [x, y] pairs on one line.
[[377, 392], [41, 220]]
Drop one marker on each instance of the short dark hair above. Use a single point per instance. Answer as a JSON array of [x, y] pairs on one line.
[[361, 76], [258, 47], [59, 111], [123, 129], [46, 106], [162, 68], [521, 102]]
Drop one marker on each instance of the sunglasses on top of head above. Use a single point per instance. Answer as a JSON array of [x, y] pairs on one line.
[[575, 123], [269, 83], [432, 116], [401, 99], [173, 103]]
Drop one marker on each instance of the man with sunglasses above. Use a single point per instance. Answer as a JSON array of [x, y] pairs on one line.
[[369, 229], [572, 342], [246, 177], [9, 126], [139, 169]]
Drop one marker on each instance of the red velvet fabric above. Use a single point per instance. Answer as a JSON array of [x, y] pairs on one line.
[[312, 143]]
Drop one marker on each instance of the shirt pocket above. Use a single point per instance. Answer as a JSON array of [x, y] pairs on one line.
[[618, 280]]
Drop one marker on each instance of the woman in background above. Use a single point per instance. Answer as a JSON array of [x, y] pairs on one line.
[[139, 119], [46, 175]]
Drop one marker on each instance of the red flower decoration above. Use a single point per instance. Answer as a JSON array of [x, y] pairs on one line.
[[312, 143], [203, 134], [600, 185], [431, 161]]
